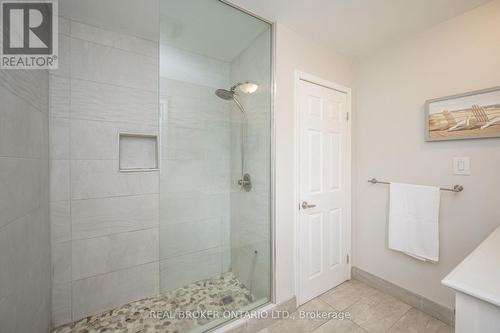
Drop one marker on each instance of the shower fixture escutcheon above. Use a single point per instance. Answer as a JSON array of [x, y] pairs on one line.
[[246, 182]]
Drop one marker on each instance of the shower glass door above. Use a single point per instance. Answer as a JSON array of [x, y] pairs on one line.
[[215, 181]]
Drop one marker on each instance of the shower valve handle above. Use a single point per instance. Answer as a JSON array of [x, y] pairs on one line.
[[242, 182]]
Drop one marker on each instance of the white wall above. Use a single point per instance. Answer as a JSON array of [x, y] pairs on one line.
[[24, 202], [294, 52], [457, 56]]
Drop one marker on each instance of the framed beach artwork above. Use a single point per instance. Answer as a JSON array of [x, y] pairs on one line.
[[472, 115]]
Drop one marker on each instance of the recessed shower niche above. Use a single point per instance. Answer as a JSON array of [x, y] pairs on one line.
[[138, 152]]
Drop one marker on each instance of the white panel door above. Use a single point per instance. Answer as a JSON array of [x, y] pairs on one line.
[[324, 185]]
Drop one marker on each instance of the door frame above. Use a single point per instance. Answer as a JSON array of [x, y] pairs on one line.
[[303, 76]]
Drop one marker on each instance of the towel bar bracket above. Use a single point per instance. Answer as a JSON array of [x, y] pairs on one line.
[[456, 188]]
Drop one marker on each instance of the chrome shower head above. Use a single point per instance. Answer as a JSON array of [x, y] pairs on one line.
[[231, 95], [247, 88], [225, 94]]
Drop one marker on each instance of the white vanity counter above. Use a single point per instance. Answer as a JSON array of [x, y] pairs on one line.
[[477, 282]]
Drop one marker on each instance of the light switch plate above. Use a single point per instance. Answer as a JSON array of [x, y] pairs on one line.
[[461, 166]]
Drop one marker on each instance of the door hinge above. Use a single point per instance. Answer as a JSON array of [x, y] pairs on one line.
[[348, 259], [347, 116]]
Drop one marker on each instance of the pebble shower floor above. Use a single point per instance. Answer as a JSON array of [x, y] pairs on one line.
[[220, 293]]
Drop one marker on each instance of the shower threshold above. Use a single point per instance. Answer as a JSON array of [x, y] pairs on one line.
[[167, 313]]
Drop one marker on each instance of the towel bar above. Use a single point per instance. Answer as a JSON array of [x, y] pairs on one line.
[[456, 188]]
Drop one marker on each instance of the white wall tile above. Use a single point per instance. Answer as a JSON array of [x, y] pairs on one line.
[[94, 179], [192, 206], [59, 138], [59, 180], [63, 68], [93, 140], [180, 143], [99, 140], [131, 17], [99, 179], [20, 127], [114, 252], [24, 225], [28, 85], [61, 262], [8, 313], [189, 143], [104, 64], [250, 230], [37, 235], [25, 277], [180, 89], [64, 25], [194, 68], [105, 102], [60, 221], [103, 86], [41, 321], [99, 217], [114, 39], [44, 144], [59, 96], [107, 291], [182, 175], [194, 112], [226, 230], [226, 258], [20, 187], [61, 303], [179, 271], [9, 238], [208, 176], [183, 238]]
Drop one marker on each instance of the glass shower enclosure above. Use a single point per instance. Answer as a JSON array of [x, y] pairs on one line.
[[215, 160]]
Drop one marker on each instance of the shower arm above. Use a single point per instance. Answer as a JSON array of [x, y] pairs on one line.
[[233, 88]]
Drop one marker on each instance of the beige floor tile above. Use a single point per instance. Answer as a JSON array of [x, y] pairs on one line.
[[378, 312], [339, 326], [347, 294], [415, 321], [265, 330], [296, 324]]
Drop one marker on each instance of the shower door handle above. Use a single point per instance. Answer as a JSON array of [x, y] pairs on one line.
[[305, 205]]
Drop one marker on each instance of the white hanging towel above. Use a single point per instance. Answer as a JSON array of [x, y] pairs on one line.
[[414, 220]]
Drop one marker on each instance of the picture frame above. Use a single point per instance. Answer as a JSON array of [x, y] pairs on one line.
[[472, 115]]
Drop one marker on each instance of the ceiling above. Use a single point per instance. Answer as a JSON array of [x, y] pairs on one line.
[[357, 27], [350, 27]]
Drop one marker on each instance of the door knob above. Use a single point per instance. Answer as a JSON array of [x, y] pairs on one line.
[[305, 205]]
